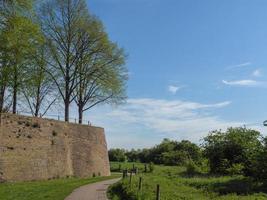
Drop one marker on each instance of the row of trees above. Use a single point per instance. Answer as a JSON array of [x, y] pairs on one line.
[[237, 151], [168, 152], [55, 51]]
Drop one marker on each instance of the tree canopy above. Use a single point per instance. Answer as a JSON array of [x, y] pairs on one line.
[[59, 46]]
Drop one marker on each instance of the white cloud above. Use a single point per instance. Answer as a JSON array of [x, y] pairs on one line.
[[247, 82], [174, 89], [257, 73], [144, 122], [239, 65]]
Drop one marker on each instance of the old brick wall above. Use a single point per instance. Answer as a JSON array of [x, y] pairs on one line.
[[36, 149]]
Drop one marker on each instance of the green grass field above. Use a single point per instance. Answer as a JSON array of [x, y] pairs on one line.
[[175, 185], [45, 190]]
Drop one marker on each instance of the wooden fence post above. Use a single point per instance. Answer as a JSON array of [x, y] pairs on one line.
[[123, 174], [140, 183], [158, 192], [131, 175]]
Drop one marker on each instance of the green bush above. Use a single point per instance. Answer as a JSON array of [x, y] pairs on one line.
[[260, 163], [235, 169], [151, 167], [121, 190], [192, 169], [235, 146]]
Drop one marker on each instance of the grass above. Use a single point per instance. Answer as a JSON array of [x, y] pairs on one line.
[[174, 185], [118, 167], [45, 190]]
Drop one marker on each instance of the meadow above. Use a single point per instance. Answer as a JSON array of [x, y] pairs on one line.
[[45, 190], [175, 184]]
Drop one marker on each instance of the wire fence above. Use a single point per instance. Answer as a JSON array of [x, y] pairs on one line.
[[57, 117], [127, 178]]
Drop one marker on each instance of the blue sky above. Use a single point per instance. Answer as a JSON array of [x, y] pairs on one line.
[[194, 66]]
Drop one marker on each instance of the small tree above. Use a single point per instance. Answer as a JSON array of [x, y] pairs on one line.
[[39, 88], [19, 36]]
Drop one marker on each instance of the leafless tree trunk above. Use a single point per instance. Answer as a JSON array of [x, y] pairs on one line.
[[15, 90], [2, 97]]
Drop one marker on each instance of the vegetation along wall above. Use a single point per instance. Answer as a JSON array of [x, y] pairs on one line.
[[36, 149]]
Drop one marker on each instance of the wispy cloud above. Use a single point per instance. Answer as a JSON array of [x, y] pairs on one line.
[[238, 65], [150, 120], [257, 73], [247, 82], [174, 89]]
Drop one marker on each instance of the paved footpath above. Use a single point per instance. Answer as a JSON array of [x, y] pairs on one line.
[[94, 191]]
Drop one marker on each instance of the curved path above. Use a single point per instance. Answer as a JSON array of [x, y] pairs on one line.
[[94, 191]]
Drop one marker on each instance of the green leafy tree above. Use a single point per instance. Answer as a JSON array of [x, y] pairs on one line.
[[117, 155], [259, 166], [39, 88], [133, 155], [19, 36], [61, 24], [235, 148], [175, 153], [101, 72]]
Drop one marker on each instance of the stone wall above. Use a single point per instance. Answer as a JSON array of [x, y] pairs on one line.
[[39, 149]]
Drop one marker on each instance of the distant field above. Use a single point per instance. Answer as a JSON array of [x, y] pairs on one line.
[[45, 190], [174, 184]]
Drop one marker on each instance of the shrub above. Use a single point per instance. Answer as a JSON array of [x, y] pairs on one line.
[[236, 169], [224, 164], [260, 163], [121, 190], [151, 167], [192, 169], [235, 146], [173, 158]]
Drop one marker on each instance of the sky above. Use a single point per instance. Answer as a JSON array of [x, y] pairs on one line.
[[194, 66]]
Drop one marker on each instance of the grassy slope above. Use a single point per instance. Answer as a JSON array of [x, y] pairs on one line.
[[175, 186], [45, 190]]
